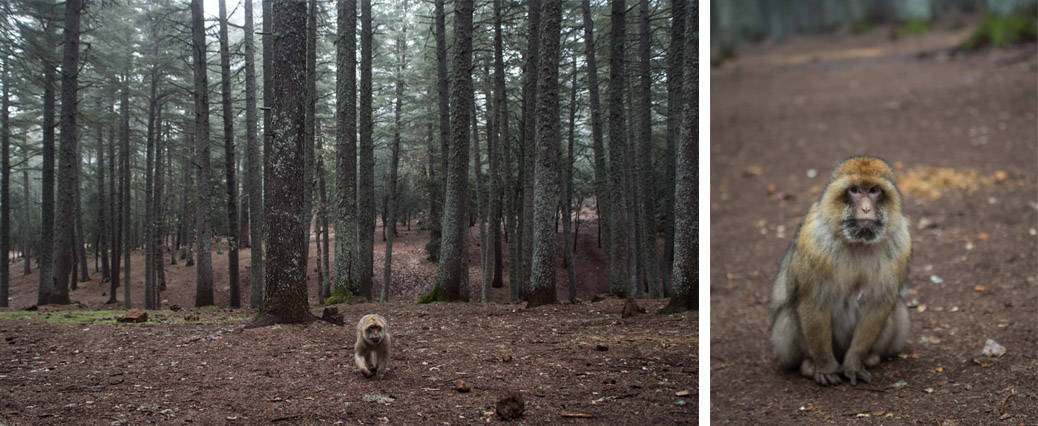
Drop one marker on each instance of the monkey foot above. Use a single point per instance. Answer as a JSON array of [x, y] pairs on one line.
[[862, 374]]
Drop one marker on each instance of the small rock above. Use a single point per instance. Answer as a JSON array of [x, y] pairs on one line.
[[683, 393], [601, 348], [992, 348], [812, 173], [332, 315], [31, 308], [936, 280], [753, 171], [174, 307], [510, 406], [379, 398], [900, 384], [134, 315], [461, 386]]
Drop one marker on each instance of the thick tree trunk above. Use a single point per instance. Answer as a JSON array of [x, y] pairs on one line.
[[602, 196], [253, 166], [617, 150], [27, 226], [346, 146], [286, 299], [443, 109], [229, 166], [528, 138], [686, 196], [481, 207], [150, 300], [46, 285], [310, 118], [157, 220], [203, 210], [365, 175], [452, 274], [493, 238], [546, 178], [124, 191], [67, 159], [675, 101], [115, 212], [5, 184]]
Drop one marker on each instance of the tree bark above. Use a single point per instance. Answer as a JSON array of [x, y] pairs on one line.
[[150, 300], [675, 101], [493, 241], [229, 167], [647, 214], [602, 196], [157, 219], [346, 146], [46, 284], [5, 183], [443, 108], [452, 274], [686, 196], [67, 158], [546, 178], [114, 212], [567, 197], [527, 138], [102, 212], [285, 300], [203, 213], [510, 187], [124, 191], [365, 175], [27, 225], [617, 274], [481, 206], [253, 172]]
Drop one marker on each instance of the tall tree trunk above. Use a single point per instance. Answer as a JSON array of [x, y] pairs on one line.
[[493, 241], [150, 298], [80, 247], [286, 299], [617, 151], [401, 52], [546, 177], [510, 187], [481, 206], [567, 195], [229, 166], [527, 138], [310, 112], [253, 172], [675, 101], [27, 225], [203, 209], [650, 259], [124, 190], [324, 254], [443, 108], [67, 159], [5, 184], [102, 219], [46, 286], [602, 196], [452, 274], [686, 197], [114, 212], [365, 174], [635, 268], [157, 219], [346, 146]]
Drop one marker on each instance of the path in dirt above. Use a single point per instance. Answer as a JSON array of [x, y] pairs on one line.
[[779, 110]]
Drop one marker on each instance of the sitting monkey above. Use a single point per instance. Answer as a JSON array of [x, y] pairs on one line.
[[371, 352]]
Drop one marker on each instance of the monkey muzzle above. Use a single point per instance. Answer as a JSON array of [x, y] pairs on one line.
[[865, 223]]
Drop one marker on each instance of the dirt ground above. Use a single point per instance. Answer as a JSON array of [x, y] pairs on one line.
[[75, 364], [962, 131]]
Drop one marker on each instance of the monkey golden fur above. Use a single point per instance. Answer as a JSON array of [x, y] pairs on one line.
[[835, 304], [371, 352]]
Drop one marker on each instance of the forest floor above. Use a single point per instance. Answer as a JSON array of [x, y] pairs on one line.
[[961, 130], [76, 364]]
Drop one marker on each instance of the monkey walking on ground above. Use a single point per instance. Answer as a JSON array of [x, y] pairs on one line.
[[835, 304], [371, 352]]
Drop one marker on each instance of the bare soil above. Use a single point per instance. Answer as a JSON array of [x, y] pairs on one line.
[[961, 129], [76, 364]]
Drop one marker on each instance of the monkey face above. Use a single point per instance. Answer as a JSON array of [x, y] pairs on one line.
[[864, 212], [373, 334]]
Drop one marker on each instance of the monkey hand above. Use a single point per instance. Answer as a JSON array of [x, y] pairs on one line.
[[854, 370], [825, 376]]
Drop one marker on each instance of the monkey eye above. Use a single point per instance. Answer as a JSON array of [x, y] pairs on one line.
[[854, 189], [874, 190]]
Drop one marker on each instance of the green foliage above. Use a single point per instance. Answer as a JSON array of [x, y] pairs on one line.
[[911, 27], [438, 294], [1001, 31], [339, 295]]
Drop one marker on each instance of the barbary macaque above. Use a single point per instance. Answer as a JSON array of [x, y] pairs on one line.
[[836, 306], [371, 352]]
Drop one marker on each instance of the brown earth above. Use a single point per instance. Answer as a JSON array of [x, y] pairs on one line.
[[962, 129], [76, 364]]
